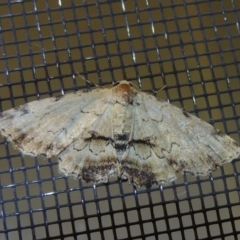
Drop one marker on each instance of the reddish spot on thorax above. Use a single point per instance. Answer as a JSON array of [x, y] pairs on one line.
[[125, 90]]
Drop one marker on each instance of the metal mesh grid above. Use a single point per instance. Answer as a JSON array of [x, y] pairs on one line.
[[193, 47]]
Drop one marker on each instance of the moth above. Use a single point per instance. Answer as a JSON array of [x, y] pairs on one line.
[[117, 131]]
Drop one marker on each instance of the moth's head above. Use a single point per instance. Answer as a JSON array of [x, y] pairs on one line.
[[124, 91]]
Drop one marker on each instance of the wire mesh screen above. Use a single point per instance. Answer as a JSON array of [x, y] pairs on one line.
[[192, 47]]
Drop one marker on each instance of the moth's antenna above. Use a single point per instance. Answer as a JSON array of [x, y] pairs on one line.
[[160, 89], [93, 84]]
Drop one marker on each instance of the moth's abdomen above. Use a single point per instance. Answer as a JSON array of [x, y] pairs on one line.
[[122, 128], [121, 139]]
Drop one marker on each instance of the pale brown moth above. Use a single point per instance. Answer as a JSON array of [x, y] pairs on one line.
[[118, 131]]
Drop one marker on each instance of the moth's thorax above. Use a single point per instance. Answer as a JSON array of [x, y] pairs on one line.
[[124, 92]]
